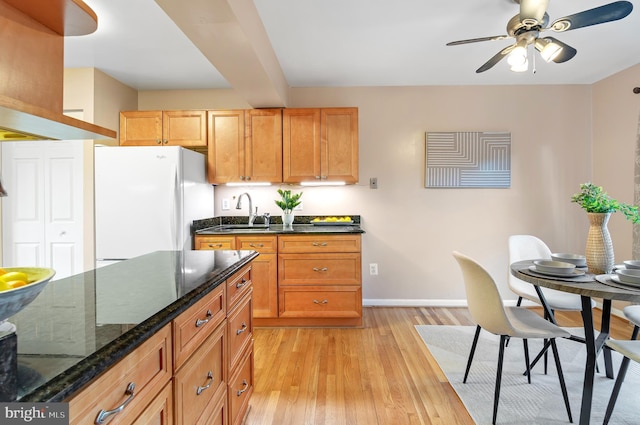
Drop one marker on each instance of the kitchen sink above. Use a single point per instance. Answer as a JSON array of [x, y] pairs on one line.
[[236, 228]]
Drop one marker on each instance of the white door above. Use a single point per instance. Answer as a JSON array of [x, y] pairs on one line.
[[42, 218]]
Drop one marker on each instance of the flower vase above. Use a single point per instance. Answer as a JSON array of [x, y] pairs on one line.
[[599, 251], [287, 220]]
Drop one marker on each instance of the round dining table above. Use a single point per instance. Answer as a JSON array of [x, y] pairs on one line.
[[588, 286]]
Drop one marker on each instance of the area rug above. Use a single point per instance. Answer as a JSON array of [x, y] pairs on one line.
[[520, 403]]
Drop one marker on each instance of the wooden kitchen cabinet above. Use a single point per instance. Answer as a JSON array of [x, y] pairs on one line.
[[320, 277], [245, 145], [264, 273], [163, 128], [240, 345], [201, 384], [320, 145], [264, 268], [148, 368]]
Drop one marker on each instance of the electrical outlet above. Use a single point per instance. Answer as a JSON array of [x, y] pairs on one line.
[[373, 183], [225, 204], [298, 207], [373, 269]]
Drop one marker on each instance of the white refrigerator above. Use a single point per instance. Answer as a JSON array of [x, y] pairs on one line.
[[146, 198]]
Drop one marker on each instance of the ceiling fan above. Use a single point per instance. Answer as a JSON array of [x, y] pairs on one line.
[[526, 27]]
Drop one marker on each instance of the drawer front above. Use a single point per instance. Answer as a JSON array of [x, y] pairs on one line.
[[160, 411], [238, 285], [196, 323], [218, 415], [241, 388], [148, 368], [318, 243], [319, 269], [240, 325], [221, 242], [337, 301], [261, 244], [201, 383]]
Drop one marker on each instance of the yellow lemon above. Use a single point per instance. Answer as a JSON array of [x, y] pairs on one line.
[[12, 284], [8, 277]]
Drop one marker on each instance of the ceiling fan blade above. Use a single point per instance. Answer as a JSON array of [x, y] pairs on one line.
[[533, 10], [494, 60], [476, 40], [599, 15], [567, 52]]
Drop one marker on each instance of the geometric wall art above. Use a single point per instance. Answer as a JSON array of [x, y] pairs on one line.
[[468, 159]]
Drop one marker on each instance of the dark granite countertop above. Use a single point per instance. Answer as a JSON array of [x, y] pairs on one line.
[[80, 326], [301, 225]]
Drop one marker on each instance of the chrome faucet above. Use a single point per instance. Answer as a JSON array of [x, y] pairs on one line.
[[252, 214]]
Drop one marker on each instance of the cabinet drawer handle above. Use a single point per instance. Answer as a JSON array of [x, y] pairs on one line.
[[319, 243], [242, 329], [245, 386], [199, 390], [258, 245], [158, 141], [104, 414], [215, 245], [201, 322], [323, 269], [321, 302], [241, 284]]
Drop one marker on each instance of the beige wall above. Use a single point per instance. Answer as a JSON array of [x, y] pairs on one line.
[[411, 230], [616, 121], [99, 99], [190, 99]]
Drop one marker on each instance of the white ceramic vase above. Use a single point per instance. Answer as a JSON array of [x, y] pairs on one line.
[[287, 220]]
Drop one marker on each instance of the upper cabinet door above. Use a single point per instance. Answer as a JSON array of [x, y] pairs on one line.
[[320, 145], [184, 128], [141, 128], [339, 144], [163, 128], [225, 159], [263, 145], [301, 145]]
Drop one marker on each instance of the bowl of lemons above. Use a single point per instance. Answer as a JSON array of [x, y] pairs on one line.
[[19, 286], [332, 221]]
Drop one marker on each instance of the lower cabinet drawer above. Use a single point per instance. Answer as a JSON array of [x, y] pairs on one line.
[[241, 388], [238, 285], [222, 242], [195, 324], [133, 383], [160, 411], [319, 269], [320, 301], [240, 330], [201, 383]]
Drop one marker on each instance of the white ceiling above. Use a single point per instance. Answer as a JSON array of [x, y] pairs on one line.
[[329, 43]]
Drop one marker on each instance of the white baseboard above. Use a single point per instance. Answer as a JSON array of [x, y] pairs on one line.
[[386, 302]]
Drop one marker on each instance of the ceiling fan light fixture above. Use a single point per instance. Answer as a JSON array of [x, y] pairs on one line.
[[523, 67], [548, 49], [518, 56]]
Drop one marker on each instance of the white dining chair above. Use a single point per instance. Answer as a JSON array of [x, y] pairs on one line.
[[529, 247], [489, 313], [630, 350]]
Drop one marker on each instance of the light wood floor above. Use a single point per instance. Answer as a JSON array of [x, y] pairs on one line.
[[379, 374]]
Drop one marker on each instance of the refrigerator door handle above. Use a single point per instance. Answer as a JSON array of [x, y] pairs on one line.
[[175, 213]]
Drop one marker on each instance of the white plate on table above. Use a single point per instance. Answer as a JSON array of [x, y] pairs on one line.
[[574, 273], [616, 279]]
